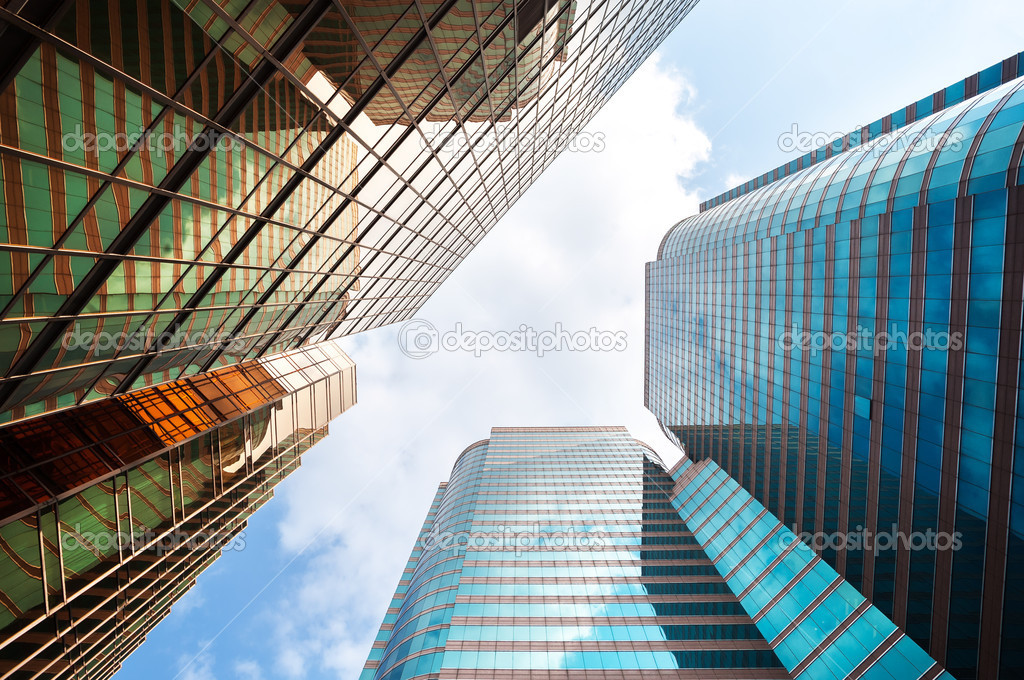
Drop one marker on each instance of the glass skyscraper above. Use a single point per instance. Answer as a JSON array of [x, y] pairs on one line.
[[138, 494], [573, 552], [245, 178], [843, 336], [197, 198]]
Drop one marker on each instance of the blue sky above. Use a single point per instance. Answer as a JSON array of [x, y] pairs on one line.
[[305, 596]]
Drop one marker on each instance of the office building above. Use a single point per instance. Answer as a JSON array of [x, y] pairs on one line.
[[572, 552], [140, 493], [248, 178], [843, 336]]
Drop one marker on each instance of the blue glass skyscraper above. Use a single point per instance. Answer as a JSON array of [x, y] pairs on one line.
[[573, 552], [843, 336]]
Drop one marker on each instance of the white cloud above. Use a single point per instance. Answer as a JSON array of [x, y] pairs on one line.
[[291, 658], [197, 667], [193, 599], [733, 180], [248, 670], [572, 251]]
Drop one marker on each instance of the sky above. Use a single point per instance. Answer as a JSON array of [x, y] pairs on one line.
[[306, 594]]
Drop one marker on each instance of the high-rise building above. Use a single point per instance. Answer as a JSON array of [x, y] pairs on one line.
[[246, 178], [843, 336], [138, 494], [572, 552], [197, 198]]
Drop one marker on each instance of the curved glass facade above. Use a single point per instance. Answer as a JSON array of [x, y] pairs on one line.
[[558, 549], [980, 82], [846, 343], [574, 551]]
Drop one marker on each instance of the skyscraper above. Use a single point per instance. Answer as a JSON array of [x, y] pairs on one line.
[[843, 336], [572, 552], [253, 177], [138, 494], [198, 197]]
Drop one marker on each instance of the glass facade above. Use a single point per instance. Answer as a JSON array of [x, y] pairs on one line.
[[820, 627], [249, 177], [99, 541], [558, 550], [44, 459], [844, 339], [980, 82], [574, 551]]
